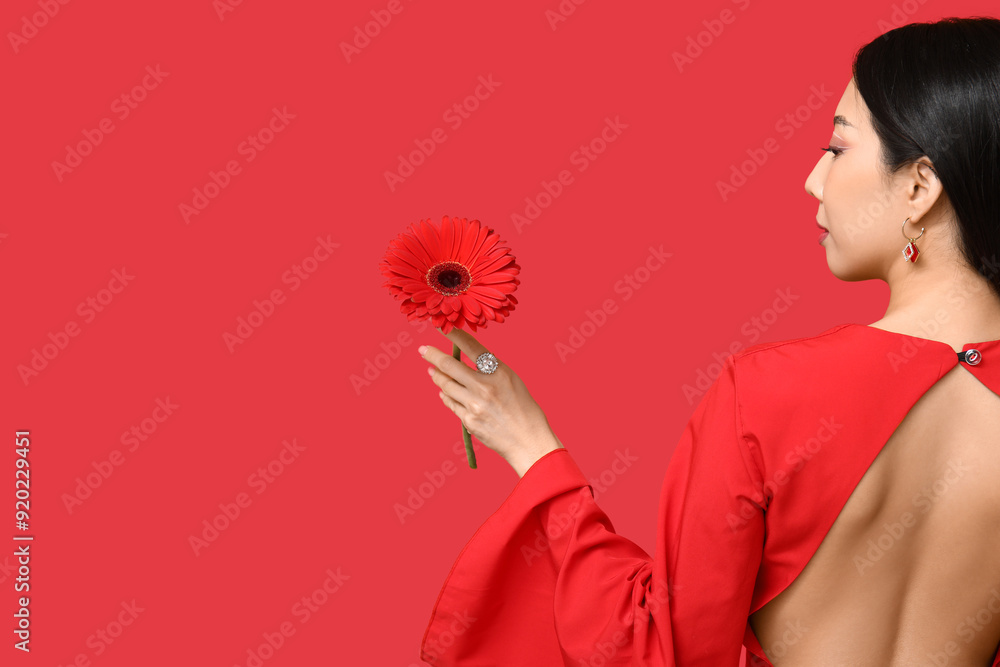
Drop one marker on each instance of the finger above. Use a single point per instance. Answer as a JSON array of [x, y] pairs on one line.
[[466, 342], [457, 370], [455, 407], [452, 388]]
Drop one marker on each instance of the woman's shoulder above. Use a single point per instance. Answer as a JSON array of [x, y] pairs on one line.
[[856, 360], [826, 342], [847, 357]]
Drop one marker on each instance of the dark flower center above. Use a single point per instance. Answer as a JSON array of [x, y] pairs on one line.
[[449, 278]]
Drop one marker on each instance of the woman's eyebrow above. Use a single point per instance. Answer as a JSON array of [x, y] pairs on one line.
[[841, 120]]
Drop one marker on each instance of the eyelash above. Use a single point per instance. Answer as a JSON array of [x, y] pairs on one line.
[[836, 151]]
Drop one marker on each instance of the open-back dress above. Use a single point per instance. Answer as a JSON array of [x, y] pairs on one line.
[[763, 469]]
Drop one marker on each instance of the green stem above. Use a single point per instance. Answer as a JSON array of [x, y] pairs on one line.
[[457, 353]]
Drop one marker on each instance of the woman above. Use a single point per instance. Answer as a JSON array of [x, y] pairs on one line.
[[833, 499]]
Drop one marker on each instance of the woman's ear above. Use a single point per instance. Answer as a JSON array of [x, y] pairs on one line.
[[925, 188]]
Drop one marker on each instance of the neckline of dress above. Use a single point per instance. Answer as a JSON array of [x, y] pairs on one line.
[[965, 347]]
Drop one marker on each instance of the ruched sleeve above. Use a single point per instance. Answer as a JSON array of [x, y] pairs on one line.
[[546, 581]]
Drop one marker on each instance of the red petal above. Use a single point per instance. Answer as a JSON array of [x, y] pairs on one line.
[[404, 269], [470, 305], [486, 299], [491, 240], [487, 290], [506, 288], [477, 247], [492, 265], [435, 300], [411, 243], [469, 236], [421, 296], [447, 237], [461, 231], [497, 248], [430, 240], [409, 286], [404, 254], [495, 277]]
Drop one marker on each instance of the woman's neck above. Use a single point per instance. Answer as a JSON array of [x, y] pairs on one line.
[[942, 301]]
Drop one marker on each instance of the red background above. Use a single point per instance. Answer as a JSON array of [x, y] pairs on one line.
[[323, 175]]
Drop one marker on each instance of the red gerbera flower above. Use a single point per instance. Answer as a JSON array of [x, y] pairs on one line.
[[457, 274]]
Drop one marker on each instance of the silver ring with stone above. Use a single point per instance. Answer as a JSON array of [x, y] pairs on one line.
[[487, 363]]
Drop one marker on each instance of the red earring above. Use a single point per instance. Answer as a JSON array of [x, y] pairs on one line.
[[910, 252]]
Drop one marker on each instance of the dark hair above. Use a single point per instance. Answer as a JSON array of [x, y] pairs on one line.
[[933, 89]]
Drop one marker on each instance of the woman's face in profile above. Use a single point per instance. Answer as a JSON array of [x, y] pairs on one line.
[[863, 213]]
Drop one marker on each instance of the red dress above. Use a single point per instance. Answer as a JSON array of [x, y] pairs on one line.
[[546, 581]]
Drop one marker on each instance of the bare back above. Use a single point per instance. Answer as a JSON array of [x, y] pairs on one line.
[[909, 573]]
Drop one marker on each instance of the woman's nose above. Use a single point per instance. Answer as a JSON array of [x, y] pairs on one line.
[[814, 183]]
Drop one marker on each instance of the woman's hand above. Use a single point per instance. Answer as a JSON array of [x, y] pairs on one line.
[[495, 407]]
